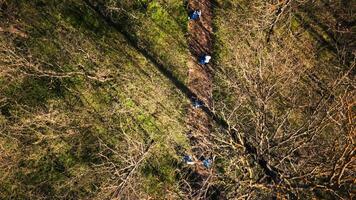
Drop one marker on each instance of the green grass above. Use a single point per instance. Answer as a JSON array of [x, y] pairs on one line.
[[72, 137], [75, 114]]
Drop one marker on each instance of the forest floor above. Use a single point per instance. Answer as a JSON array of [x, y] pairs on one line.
[[200, 83]]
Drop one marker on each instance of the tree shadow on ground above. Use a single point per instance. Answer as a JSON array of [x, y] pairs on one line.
[[339, 30], [133, 41]]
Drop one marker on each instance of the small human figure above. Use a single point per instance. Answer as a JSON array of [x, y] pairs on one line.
[[197, 103], [188, 159], [207, 163], [194, 15], [205, 59]]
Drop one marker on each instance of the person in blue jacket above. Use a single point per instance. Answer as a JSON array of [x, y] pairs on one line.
[[204, 59], [207, 163], [188, 159], [194, 15], [197, 103]]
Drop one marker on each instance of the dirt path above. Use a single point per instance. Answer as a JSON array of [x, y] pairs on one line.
[[200, 76], [200, 83], [200, 120]]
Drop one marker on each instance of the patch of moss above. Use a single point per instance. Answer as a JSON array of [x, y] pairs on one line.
[[159, 174], [36, 91]]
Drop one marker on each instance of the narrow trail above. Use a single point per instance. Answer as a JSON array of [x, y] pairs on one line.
[[200, 83], [199, 86], [200, 76], [200, 120]]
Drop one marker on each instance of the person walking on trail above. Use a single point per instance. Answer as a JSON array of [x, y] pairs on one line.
[[205, 59], [197, 103], [188, 160], [194, 15], [207, 163]]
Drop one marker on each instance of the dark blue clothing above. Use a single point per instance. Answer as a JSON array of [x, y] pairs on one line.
[[194, 15], [197, 103], [187, 158], [207, 163], [202, 60]]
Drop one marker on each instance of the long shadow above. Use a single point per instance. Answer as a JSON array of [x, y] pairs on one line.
[[337, 16], [315, 34], [339, 40], [250, 149], [316, 21], [100, 10]]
